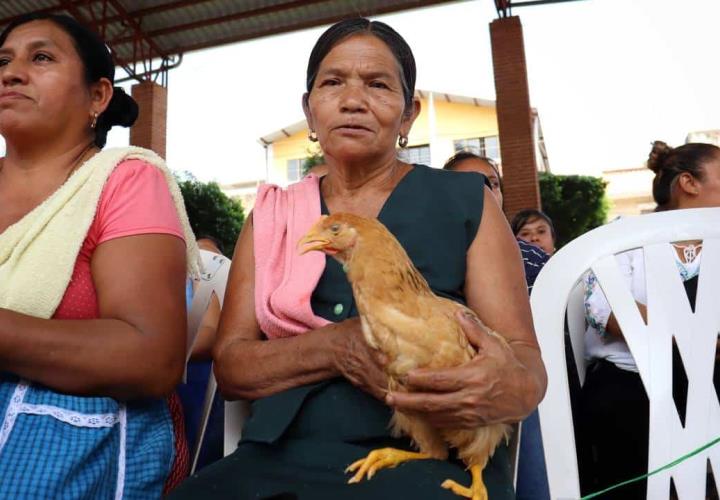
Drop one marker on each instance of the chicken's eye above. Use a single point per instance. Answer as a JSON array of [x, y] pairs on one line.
[[335, 228]]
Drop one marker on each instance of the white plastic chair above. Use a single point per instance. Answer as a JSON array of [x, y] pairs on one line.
[[577, 325], [669, 314], [212, 281]]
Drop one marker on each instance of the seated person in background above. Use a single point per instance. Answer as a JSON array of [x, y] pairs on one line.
[[94, 251], [615, 404], [202, 347], [535, 227], [194, 390], [533, 256], [465, 161], [531, 476], [289, 336]]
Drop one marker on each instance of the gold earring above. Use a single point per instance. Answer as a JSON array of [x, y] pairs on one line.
[[312, 136], [94, 120], [403, 141]]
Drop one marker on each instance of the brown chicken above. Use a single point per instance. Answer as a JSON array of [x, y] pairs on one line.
[[414, 328]]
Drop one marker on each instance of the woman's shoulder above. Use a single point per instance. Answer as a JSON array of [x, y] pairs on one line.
[[136, 199], [470, 181], [137, 180], [133, 168], [303, 195], [464, 190]]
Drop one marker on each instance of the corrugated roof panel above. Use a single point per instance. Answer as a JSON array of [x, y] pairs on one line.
[[184, 26], [309, 14], [206, 10], [16, 7]]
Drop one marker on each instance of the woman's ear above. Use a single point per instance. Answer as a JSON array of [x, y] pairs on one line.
[[688, 184], [306, 110], [100, 94], [409, 117]]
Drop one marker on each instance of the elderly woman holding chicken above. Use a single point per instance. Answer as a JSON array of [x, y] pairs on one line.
[[290, 339]]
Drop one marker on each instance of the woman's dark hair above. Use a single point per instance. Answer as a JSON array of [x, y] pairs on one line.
[[212, 239], [98, 63], [461, 156], [357, 26], [528, 215], [668, 163]]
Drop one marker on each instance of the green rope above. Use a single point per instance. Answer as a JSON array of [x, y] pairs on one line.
[[664, 467]]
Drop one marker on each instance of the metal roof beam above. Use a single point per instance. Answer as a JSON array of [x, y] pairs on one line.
[[137, 28], [125, 32], [71, 7], [145, 57]]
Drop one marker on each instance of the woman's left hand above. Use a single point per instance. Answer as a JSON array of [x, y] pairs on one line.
[[493, 387]]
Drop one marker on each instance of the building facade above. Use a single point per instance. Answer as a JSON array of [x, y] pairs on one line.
[[446, 124], [629, 190]]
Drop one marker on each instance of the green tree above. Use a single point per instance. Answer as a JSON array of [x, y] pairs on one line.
[[575, 203], [212, 212], [315, 157]]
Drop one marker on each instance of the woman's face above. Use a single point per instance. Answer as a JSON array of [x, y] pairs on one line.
[[42, 85], [478, 165], [537, 232], [357, 105]]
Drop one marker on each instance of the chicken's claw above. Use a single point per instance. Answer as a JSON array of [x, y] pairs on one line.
[[382, 458], [476, 491]]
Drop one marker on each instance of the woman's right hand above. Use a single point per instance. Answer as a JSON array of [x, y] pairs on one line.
[[359, 363]]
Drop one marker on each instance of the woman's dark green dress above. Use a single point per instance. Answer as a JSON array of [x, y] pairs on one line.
[[298, 443]]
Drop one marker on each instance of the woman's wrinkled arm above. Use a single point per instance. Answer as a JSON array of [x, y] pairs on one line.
[[249, 367], [496, 290]]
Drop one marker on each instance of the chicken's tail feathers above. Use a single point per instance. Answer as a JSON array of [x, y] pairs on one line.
[[476, 446], [424, 437]]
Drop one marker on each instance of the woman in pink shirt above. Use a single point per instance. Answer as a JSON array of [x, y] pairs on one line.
[[83, 385]]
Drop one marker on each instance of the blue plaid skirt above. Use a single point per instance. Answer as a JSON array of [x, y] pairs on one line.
[[57, 446]]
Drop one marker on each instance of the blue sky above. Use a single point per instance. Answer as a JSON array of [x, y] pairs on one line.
[[607, 76]]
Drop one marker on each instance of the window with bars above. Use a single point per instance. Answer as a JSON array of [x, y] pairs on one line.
[[415, 154], [481, 146]]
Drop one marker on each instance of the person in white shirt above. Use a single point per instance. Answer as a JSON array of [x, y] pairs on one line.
[[615, 405]]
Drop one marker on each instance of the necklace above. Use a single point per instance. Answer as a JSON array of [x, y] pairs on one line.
[[79, 160], [690, 251]]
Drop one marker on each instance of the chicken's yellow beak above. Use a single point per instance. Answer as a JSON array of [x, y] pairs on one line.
[[314, 239], [311, 242]]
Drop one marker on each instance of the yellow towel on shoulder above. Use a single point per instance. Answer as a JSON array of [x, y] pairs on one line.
[[38, 253]]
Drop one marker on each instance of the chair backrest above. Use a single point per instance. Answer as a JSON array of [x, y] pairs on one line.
[[213, 280], [669, 316], [576, 327]]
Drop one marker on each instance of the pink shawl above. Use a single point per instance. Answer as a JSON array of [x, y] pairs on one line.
[[284, 279]]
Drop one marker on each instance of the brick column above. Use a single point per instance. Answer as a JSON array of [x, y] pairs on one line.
[[150, 128], [514, 116]]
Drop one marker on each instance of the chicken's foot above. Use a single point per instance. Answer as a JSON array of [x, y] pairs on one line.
[[382, 458], [476, 491]]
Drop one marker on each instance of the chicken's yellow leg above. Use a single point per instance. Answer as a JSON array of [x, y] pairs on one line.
[[476, 491], [382, 458]]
